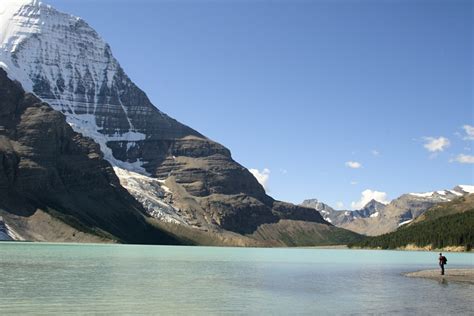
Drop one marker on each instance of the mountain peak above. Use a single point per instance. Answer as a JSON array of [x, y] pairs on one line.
[[29, 23], [373, 203], [63, 60], [18, 3]]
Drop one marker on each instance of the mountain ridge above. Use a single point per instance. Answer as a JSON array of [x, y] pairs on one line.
[[377, 218], [446, 225]]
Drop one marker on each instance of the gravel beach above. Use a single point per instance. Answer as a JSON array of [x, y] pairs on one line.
[[451, 275]]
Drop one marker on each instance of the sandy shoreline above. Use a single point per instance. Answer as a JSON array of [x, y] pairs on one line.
[[451, 275]]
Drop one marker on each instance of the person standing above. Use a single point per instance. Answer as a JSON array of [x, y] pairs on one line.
[[442, 261]]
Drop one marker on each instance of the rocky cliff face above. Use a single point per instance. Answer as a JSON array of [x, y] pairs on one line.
[[178, 175], [54, 184]]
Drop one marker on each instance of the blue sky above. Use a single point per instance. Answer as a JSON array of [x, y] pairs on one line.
[[310, 89]]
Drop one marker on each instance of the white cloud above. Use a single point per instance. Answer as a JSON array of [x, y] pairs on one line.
[[354, 182], [369, 195], [464, 159], [261, 176], [353, 164], [339, 205], [375, 152], [283, 171], [469, 132], [436, 144]]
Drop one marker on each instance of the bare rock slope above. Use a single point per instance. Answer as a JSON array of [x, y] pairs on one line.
[[54, 184]]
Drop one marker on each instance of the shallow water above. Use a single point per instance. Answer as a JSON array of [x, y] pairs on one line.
[[121, 279]]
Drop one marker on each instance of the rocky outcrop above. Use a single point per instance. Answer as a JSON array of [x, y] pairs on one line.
[[47, 168]]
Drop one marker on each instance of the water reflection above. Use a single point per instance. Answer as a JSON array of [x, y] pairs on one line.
[[442, 281]]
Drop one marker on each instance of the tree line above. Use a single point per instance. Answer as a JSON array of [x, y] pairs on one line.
[[450, 230]]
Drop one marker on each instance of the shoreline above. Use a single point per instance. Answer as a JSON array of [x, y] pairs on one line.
[[452, 249], [465, 276], [331, 247]]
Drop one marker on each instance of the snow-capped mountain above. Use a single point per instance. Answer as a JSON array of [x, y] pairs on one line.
[[67, 64], [376, 218], [446, 195], [178, 175], [325, 210], [341, 217]]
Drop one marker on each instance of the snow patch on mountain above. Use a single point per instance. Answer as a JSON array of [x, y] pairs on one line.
[[446, 195], [152, 194], [85, 124], [467, 188], [426, 194], [405, 222], [376, 214]]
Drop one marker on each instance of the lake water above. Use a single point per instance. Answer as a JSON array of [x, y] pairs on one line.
[[121, 279]]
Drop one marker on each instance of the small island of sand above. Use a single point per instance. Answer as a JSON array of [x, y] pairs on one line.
[[451, 275]]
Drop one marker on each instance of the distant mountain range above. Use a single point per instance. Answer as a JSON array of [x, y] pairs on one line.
[[376, 218], [99, 162], [341, 217], [447, 225]]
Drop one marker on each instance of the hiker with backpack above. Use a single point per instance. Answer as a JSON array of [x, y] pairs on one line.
[[442, 262]]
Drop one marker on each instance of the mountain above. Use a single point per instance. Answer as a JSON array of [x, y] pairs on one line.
[[376, 218], [340, 218], [447, 225], [188, 184], [54, 184]]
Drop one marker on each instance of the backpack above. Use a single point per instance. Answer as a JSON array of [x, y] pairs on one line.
[[445, 261]]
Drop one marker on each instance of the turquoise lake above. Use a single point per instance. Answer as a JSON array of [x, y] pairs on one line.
[[61, 279]]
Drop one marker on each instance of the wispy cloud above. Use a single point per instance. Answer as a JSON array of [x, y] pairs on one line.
[[262, 176], [369, 195], [353, 164], [339, 205], [469, 132], [375, 152], [354, 182], [462, 158], [433, 144]]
